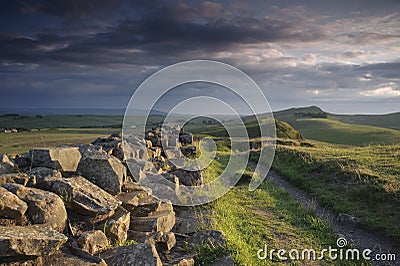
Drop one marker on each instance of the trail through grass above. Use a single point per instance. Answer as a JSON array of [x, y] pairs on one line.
[[362, 181]]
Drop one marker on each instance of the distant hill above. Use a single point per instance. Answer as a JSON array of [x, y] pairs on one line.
[[314, 123], [387, 120]]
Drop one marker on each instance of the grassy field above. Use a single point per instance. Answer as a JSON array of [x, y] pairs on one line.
[[60, 121], [267, 216], [357, 130], [387, 120], [23, 141], [362, 181], [333, 131]]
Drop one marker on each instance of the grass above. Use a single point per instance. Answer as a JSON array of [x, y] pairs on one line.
[[267, 216], [362, 181], [23, 141], [386, 120], [333, 131]]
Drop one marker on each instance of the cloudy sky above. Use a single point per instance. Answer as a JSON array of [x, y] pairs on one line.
[[343, 55]]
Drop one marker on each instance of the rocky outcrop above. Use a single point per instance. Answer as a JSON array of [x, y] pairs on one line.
[[103, 170], [141, 254], [44, 207], [65, 159], [117, 226], [93, 241], [6, 166], [43, 177], [29, 241], [189, 177], [84, 197], [11, 206], [159, 221], [17, 178]]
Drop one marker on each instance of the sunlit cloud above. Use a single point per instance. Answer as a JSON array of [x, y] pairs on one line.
[[385, 91]]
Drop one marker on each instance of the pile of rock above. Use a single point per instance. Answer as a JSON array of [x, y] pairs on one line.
[[80, 205]]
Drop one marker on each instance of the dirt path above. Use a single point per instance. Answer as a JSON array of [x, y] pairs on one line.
[[358, 237]]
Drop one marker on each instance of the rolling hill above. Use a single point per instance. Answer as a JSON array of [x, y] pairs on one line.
[[360, 130]]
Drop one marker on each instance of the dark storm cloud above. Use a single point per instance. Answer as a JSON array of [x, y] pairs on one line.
[[300, 52], [155, 29]]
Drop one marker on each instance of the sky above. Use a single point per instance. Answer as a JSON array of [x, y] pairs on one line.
[[343, 56]]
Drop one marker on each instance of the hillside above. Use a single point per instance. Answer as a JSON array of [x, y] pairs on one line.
[[283, 129], [387, 120], [313, 123]]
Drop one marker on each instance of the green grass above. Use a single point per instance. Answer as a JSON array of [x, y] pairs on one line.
[[60, 121], [23, 141], [362, 181], [387, 120], [267, 216], [333, 131]]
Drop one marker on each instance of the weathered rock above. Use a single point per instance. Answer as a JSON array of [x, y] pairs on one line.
[[163, 241], [189, 221], [105, 171], [186, 226], [164, 190], [68, 257], [22, 161], [185, 138], [173, 154], [139, 236], [178, 257], [17, 178], [93, 241], [29, 240], [131, 199], [141, 254], [65, 159], [155, 152], [161, 221], [136, 168], [117, 226], [147, 206], [21, 261], [84, 197], [173, 143], [207, 237], [155, 141], [44, 177], [11, 206], [191, 177], [135, 148], [134, 186], [44, 207], [111, 145], [6, 166], [189, 150], [174, 181]]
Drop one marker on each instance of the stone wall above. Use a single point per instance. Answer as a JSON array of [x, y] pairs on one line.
[[81, 205]]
